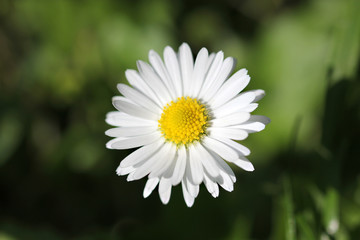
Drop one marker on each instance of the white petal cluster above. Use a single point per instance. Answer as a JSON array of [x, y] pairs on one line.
[[165, 164]]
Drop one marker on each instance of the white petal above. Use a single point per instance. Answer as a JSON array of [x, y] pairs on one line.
[[259, 93], [138, 98], [227, 67], [234, 105], [130, 131], [221, 149], [165, 190], [179, 169], [147, 166], [189, 200], [150, 186], [226, 132], [207, 161], [141, 154], [223, 166], [130, 177], [211, 186], [212, 73], [210, 61], [249, 108], [208, 184], [259, 118], [241, 148], [137, 141], [170, 170], [199, 72], [255, 123], [124, 105], [164, 185], [186, 67], [193, 189], [230, 155], [163, 164], [251, 127], [227, 183], [173, 67], [161, 70], [230, 120], [139, 83], [124, 171], [215, 194], [154, 82], [112, 141], [245, 164], [235, 84], [121, 119], [195, 166]]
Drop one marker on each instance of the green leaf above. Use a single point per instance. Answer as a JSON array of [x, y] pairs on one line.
[[346, 36], [306, 227], [241, 229], [10, 135], [290, 232], [330, 211], [284, 221]]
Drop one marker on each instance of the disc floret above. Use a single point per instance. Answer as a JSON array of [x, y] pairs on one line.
[[184, 121]]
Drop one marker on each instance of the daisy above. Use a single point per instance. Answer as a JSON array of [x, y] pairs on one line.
[[185, 117]]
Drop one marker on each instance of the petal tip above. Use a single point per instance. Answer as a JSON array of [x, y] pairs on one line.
[[146, 194], [108, 145], [184, 44], [250, 168], [190, 203]]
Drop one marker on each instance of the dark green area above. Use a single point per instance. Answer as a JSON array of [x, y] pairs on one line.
[[60, 62]]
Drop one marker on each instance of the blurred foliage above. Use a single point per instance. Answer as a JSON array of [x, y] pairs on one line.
[[59, 65]]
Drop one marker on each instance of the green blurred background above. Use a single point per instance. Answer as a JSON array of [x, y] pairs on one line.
[[60, 62]]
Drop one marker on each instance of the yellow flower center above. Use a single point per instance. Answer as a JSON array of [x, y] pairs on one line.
[[183, 121]]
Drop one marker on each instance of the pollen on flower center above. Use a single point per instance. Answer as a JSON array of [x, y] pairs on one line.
[[183, 121]]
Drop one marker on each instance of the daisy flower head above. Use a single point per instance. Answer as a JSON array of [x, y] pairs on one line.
[[185, 116]]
